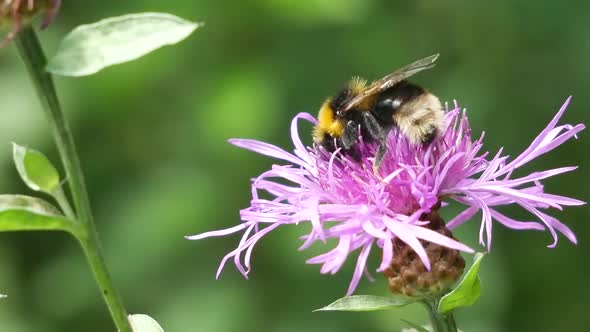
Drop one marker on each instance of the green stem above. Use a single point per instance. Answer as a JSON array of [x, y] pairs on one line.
[[63, 202], [450, 319], [440, 322], [34, 58]]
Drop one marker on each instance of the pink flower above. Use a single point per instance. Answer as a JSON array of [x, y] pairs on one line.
[[345, 200]]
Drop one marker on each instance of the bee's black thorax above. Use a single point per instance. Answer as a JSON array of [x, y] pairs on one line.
[[392, 99]]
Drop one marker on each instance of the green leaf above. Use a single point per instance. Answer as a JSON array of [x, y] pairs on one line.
[[467, 291], [35, 169], [144, 323], [89, 48], [418, 328], [367, 303], [24, 213]]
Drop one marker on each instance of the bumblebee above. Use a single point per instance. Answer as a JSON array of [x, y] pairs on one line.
[[373, 110]]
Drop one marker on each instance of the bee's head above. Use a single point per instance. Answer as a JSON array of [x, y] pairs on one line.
[[355, 87], [339, 101]]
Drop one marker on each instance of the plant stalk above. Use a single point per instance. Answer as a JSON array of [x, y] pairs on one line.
[[64, 204], [440, 322], [32, 54]]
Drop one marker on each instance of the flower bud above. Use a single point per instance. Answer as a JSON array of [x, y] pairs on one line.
[[407, 274]]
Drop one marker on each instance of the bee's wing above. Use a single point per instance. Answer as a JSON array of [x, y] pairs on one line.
[[391, 79]]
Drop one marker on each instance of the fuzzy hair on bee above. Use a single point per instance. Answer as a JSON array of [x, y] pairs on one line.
[[373, 110]]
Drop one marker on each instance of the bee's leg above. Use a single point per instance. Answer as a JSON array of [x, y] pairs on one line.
[[350, 135], [379, 156], [379, 133]]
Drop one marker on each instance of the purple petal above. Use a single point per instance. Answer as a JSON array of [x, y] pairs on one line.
[[445, 170], [534, 150], [314, 217], [249, 243], [375, 232], [486, 223], [300, 149], [265, 149], [563, 200], [51, 13], [387, 255], [494, 164], [516, 224], [462, 217], [333, 259], [543, 133], [560, 227], [435, 237], [221, 232], [536, 176], [360, 267], [518, 194], [541, 216], [247, 258], [408, 238]]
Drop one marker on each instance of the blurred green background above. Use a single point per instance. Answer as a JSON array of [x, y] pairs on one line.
[[152, 139]]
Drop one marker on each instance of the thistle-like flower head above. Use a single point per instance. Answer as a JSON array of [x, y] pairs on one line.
[[343, 199], [15, 13]]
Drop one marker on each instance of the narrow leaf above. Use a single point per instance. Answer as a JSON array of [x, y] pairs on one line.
[[35, 169], [414, 326], [144, 323], [466, 292], [24, 213], [93, 47], [367, 303]]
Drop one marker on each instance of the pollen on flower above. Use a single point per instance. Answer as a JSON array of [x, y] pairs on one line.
[[341, 198], [16, 13]]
